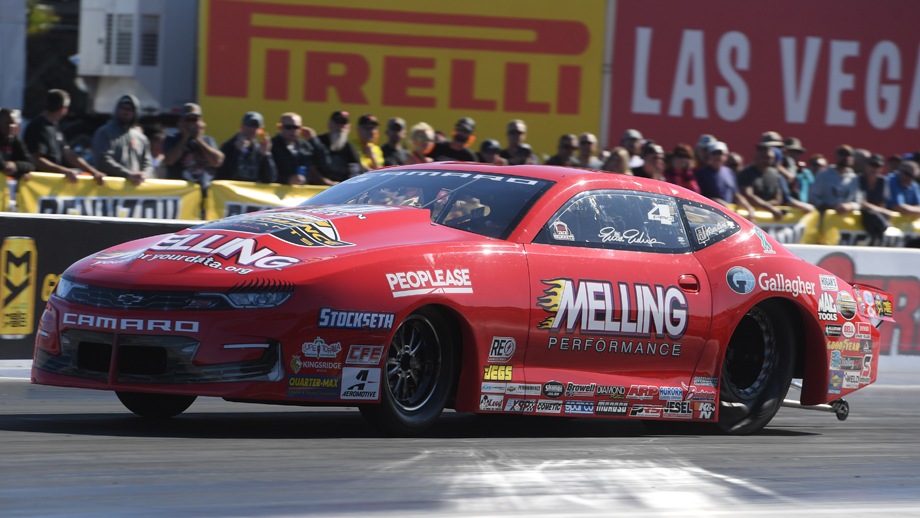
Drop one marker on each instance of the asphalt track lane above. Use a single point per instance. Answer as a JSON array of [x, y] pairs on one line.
[[71, 452]]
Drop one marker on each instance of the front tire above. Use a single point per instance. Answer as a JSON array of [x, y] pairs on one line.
[[418, 376], [757, 369], [155, 406]]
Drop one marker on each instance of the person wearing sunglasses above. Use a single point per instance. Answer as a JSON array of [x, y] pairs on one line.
[[565, 152], [294, 151]]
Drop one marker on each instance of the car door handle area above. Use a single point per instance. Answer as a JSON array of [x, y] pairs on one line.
[[689, 283]]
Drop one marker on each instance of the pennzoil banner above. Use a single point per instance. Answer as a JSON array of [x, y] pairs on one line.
[[229, 198], [47, 193]]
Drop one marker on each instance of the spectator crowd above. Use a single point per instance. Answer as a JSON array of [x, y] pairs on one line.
[[780, 175]]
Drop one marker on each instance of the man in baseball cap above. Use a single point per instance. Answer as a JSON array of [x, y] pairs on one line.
[[393, 151], [458, 147]]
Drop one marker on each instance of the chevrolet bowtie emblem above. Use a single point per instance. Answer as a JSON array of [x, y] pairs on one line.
[[129, 299]]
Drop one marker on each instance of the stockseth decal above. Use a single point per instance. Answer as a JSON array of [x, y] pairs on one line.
[[740, 280], [364, 354], [340, 319], [360, 384], [596, 307], [779, 283], [424, 282], [502, 349], [320, 349], [130, 324]]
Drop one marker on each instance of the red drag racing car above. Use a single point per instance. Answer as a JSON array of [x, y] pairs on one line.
[[528, 290]]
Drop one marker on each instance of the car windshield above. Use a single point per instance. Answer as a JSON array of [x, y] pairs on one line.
[[487, 204]]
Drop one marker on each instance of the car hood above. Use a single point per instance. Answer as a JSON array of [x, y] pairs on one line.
[[263, 243]]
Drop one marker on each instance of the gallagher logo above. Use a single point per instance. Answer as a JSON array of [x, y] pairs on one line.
[[740, 280]]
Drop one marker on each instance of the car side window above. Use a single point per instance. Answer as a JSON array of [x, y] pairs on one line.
[[618, 220], [707, 225]]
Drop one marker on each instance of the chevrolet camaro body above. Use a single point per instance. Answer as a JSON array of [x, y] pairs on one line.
[[529, 290]]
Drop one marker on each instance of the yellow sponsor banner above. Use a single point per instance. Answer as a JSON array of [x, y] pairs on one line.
[[493, 61], [229, 198], [48, 193], [18, 275], [847, 229], [796, 225]]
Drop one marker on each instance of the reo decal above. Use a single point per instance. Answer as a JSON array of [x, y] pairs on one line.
[[130, 324], [502, 349], [599, 307], [424, 282]]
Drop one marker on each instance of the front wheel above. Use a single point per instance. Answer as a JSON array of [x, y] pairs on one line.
[[418, 376], [757, 369], [155, 406]]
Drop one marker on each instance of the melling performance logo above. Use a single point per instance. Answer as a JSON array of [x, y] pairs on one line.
[[599, 307]]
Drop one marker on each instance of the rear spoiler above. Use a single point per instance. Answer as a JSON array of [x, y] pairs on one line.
[[873, 303]]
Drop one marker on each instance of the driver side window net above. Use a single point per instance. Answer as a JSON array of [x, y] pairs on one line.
[[619, 220]]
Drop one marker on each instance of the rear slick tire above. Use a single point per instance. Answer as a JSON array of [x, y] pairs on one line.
[[757, 369], [155, 406], [418, 376]]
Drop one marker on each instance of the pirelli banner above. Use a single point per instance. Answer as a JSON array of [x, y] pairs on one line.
[[47, 193], [227, 198], [539, 60], [35, 249]]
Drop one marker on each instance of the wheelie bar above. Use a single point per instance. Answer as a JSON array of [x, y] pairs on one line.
[[839, 407]]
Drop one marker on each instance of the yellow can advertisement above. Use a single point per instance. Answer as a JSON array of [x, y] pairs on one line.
[[18, 275], [493, 61]]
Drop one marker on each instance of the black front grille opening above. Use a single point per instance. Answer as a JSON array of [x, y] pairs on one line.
[[94, 356], [140, 360]]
